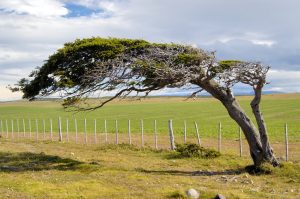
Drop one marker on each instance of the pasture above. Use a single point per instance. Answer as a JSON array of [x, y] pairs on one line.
[[67, 170], [207, 112], [52, 169]]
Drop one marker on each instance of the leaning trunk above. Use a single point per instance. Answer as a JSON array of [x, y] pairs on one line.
[[267, 149], [238, 114]]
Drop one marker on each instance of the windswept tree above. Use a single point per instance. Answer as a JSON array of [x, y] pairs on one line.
[[87, 67]]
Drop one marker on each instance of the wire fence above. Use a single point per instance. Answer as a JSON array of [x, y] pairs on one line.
[[146, 133]]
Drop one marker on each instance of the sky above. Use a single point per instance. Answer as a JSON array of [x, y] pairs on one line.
[[250, 30]]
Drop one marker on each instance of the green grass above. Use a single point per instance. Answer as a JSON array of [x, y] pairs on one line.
[[66, 170], [207, 112]]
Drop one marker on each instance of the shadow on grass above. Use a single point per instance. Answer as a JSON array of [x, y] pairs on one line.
[[18, 162], [193, 173]]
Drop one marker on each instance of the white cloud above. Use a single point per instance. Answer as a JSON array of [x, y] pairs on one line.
[[45, 8], [284, 81], [267, 43], [31, 30], [7, 95]]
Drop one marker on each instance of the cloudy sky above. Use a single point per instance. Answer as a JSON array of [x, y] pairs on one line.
[[253, 30]]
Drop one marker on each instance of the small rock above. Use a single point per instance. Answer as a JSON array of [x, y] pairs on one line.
[[192, 193], [220, 196]]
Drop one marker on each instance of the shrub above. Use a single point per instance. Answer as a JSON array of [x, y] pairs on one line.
[[194, 150]]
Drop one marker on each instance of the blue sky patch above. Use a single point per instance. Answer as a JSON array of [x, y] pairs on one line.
[[76, 10]]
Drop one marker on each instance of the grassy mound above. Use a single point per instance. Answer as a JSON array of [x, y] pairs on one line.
[[193, 150]]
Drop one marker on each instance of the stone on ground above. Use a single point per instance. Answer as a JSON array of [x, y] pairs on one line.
[[192, 193]]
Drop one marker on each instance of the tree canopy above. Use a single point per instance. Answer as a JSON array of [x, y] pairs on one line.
[[86, 66]]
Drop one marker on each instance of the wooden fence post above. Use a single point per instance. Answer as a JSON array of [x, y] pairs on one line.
[[29, 125], [117, 136], [142, 132], [44, 129], [105, 130], [155, 134], [59, 130], [197, 133], [12, 129], [6, 124], [51, 130], [129, 132], [184, 131], [85, 132], [37, 130], [24, 128], [76, 130], [18, 128], [286, 143], [95, 131], [240, 139], [1, 128], [171, 134], [219, 137], [67, 129]]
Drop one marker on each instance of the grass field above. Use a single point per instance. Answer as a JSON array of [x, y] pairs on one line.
[[65, 170], [45, 169], [207, 112]]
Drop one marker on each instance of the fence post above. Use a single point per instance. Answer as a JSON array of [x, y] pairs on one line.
[[67, 129], [59, 130], [240, 139], [95, 131], [219, 137], [85, 132], [105, 130], [37, 130], [197, 133], [76, 130], [184, 131], [286, 143], [24, 128], [51, 130], [12, 129], [29, 125], [171, 134], [129, 132], [1, 128], [155, 134], [44, 129], [6, 124], [117, 136], [142, 132], [18, 128]]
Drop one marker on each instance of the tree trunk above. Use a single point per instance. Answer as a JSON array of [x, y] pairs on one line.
[[238, 114], [249, 129], [267, 149]]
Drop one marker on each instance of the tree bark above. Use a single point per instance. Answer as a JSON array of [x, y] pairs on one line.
[[238, 114], [267, 149]]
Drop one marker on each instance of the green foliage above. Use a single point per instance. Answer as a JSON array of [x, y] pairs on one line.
[[194, 150], [188, 59], [226, 64], [66, 67]]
